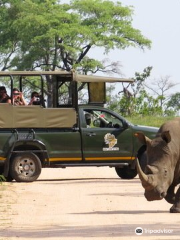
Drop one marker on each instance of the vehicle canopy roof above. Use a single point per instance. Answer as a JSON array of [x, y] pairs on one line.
[[70, 76], [72, 81]]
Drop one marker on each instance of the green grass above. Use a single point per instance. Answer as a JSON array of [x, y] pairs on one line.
[[148, 120], [2, 178]]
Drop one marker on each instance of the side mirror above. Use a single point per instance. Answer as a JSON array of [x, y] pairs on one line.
[[125, 125]]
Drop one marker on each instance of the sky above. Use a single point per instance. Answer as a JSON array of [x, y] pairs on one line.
[[159, 21]]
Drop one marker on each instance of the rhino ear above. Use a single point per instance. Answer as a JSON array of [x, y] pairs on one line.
[[142, 138], [166, 136]]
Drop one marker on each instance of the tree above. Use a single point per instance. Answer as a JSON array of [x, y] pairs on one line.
[[48, 35], [160, 87], [173, 105], [135, 99], [93, 66], [134, 95]]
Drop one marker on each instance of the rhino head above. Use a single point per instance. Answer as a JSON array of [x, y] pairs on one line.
[[158, 174]]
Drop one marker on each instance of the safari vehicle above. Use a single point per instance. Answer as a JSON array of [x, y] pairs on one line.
[[66, 134]]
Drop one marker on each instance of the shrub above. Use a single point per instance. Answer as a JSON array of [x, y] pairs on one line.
[[2, 178]]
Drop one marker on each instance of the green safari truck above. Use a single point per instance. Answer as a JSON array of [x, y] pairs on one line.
[[64, 133]]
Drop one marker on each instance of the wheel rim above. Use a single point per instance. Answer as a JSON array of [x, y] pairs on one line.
[[26, 167]]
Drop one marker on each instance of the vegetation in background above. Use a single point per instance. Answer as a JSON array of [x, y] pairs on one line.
[[149, 120], [135, 100], [2, 178], [50, 35]]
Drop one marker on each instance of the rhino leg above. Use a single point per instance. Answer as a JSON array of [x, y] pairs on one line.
[[170, 197], [176, 207]]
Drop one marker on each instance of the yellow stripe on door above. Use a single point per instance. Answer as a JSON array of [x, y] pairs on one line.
[[91, 159]]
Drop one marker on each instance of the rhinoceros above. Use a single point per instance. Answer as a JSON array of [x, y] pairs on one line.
[[162, 172]]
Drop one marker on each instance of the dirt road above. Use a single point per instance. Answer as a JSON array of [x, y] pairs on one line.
[[83, 203]]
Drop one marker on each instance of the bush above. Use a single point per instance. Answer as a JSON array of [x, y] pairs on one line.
[[2, 178]]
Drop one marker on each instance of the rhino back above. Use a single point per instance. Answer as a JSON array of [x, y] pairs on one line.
[[173, 126]]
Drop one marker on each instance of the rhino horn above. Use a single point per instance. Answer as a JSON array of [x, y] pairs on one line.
[[147, 180]]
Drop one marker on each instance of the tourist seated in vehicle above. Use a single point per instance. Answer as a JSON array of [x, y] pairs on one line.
[[35, 99], [18, 98], [4, 98], [88, 119]]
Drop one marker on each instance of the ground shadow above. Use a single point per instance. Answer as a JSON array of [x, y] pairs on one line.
[[121, 212], [116, 230]]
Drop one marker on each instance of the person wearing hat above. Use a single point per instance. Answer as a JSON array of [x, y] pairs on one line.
[[4, 98]]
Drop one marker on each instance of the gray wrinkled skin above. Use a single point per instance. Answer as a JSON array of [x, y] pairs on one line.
[[162, 173]]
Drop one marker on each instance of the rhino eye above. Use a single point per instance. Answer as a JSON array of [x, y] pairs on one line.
[[165, 172]]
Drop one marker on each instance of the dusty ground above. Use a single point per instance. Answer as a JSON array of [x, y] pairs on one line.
[[82, 203]]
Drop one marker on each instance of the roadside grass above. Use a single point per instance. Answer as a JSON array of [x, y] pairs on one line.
[[149, 120], [2, 179]]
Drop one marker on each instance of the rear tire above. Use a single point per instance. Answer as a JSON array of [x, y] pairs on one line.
[[126, 172], [25, 167]]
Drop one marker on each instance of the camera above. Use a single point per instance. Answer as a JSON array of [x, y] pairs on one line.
[[36, 101]]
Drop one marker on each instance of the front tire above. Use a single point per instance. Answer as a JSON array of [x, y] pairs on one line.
[[126, 172], [25, 167]]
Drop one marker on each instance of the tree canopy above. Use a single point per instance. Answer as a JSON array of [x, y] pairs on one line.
[[51, 35], [48, 34]]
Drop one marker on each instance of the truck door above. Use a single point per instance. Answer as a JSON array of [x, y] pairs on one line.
[[105, 136], [62, 145]]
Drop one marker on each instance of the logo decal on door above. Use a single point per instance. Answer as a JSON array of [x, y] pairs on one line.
[[111, 141]]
